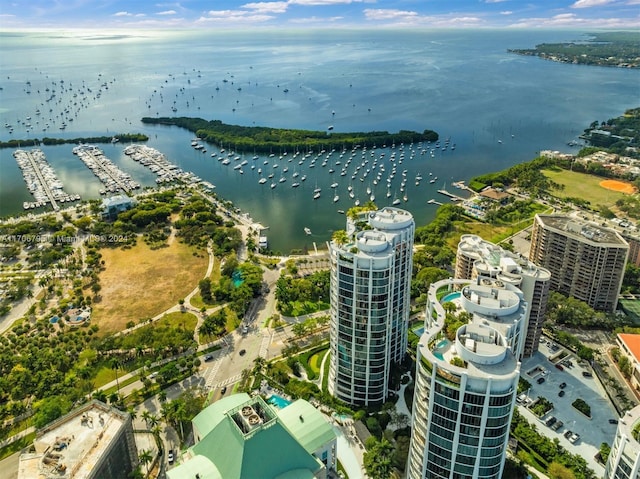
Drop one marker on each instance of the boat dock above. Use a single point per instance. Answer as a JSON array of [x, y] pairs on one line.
[[154, 160], [434, 202], [112, 177], [451, 195], [41, 180]]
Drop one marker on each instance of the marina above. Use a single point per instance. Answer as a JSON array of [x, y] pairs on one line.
[[113, 178], [154, 160], [41, 180]]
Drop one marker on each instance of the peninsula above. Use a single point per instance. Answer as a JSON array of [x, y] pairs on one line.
[[124, 137], [605, 49], [274, 140]]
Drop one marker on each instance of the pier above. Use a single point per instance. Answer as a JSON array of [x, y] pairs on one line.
[[434, 202], [41, 180], [112, 177], [451, 195], [154, 160]]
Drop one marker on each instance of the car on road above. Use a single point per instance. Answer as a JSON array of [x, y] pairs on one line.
[[223, 390], [208, 358], [170, 457], [540, 380], [563, 385], [561, 393], [242, 352], [245, 330]]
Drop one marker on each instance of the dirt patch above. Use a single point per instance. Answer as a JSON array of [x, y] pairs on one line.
[[140, 282], [620, 186]]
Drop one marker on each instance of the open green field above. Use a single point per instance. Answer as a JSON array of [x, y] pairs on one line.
[[583, 186], [140, 283]]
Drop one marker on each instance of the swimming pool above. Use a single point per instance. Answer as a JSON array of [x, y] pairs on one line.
[[278, 401], [450, 297], [419, 330]]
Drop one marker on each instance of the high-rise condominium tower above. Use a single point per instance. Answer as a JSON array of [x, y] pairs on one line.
[[624, 458], [466, 380], [586, 261], [370, 291], [480, 258]]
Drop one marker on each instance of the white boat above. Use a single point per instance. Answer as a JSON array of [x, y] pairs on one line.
[[307, 231], [273, 185], [396, 201], [316, 195], [334, 185], [262, 181], [336, 198], [295, 185]]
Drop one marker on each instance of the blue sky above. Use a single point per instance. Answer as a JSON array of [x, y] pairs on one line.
[[146, 14]]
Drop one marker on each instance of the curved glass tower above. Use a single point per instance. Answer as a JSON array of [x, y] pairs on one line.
[[370, 294], [466, 381], [624, 458]]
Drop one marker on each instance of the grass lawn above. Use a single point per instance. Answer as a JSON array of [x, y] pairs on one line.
[[307, 307], [316, 360], [140, 282], [583, 186], [196, 300]]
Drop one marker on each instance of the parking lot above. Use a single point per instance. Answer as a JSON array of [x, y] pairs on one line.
[[592, 431]]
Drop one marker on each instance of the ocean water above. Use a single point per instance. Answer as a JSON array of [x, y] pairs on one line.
[[498, 108]]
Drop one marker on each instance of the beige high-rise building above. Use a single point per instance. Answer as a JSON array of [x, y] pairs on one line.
[[477, 257], [94, 441], [586, 261]]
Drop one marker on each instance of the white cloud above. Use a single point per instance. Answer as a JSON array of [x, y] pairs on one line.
[[388, 14], [167, 12], [506, 12], [233, 16], [572, 20], [494, 1], [123, 14], [315, 20], [590, 3], [328, 2], [267, 7]]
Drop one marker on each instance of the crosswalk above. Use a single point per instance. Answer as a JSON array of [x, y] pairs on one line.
[[264, 345], [228, 381], [211, 372]]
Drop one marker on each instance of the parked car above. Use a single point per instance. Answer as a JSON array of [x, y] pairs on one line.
[[170, 457], [559, 366], [540, 380], [242, 352], [208, 358], [587, 374], [568, 433], [551, 421], [561, 393], [223, 390], [557, 425], [575, 437], [563, 385], [613, 421]]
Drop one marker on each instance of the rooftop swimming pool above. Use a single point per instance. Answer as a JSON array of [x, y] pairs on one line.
[[278, 401], [450, 297]]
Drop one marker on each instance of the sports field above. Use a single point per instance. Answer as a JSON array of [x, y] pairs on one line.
[[589, 187], [140, 283]]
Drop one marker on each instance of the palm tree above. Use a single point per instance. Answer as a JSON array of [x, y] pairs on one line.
[[145, 457], [340, 237], [115, 364], [146, 416]]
